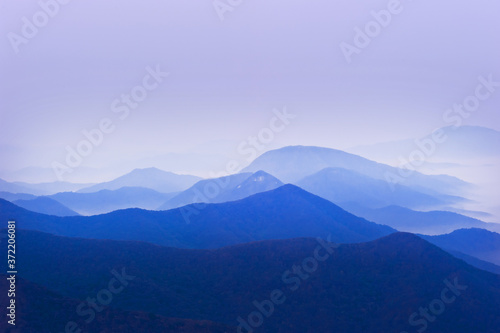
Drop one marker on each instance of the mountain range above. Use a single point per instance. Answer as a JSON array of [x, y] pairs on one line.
[[46, 205], [293, 285], [292, 164], [461, 144], [152, 178], [39, 189], [479, 243], [343, 186], [106, 201], [286, 212], [44, 311], [224, 189], [428, 223]]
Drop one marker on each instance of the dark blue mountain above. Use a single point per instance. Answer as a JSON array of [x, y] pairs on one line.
[[314, 287], [286, 212], [44, 311]]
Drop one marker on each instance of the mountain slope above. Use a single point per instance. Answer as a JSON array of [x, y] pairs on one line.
[[206, 190], [259, 182], [224, 189], [349, 288], [16, 196], [46, 205], [478, 263], [479, 243], [286, 212], [344, 186], [105, 201], [427, 223], [6, 186], [463, 143], [43, 311], [152, 178], [291, 164], [40, 188]]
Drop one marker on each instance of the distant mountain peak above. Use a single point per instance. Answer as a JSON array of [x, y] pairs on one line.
[[261, 176], [153, 178]]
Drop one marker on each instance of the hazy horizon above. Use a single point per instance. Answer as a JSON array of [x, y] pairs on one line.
[[225, 77]]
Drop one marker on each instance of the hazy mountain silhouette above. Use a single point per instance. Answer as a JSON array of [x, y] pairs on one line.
[[345, 186], [46, 205], [463, 143], [206, 190], [293, 163], [224, 189], [6, 186], [286, 212], [427, 223], [40, 188], [43, 311], [478, 263], [368, 287], [258, 182], [105, 201], [152, 178], [16, 196], [479, 243]]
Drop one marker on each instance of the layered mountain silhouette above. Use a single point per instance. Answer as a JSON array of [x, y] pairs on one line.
[[343, 186], [46, 205], [105, 201], [286, 212], [461, 144], [479, 243], [206, 190], [16, 196], [394, 284], [293, 163], [9, 187], [152, 178], [224, 189], [39, 189], [427, 223], [40, 310], [478, 263]]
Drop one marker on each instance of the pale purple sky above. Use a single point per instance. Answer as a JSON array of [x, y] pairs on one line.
[[227, 76]]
